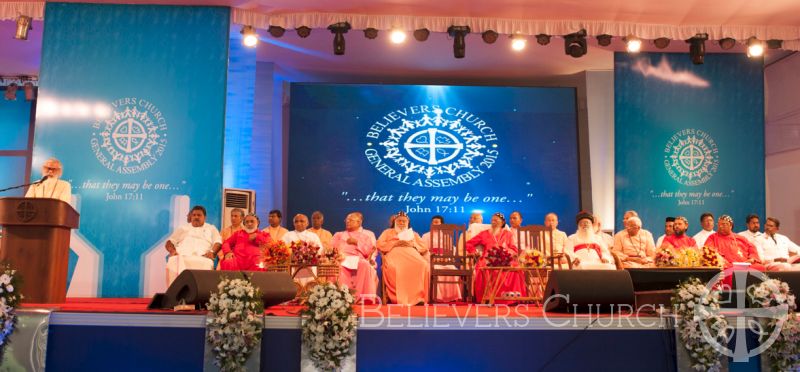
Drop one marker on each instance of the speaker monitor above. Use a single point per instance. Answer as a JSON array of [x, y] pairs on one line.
[[588, 290], [195, 287]]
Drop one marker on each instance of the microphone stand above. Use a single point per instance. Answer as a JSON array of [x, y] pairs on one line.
[[21, 186]]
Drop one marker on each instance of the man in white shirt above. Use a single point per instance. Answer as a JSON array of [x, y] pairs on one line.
[[776, 250], [707, 223], [753, 225], [588, 251], [559, 237], [192, 246], [52, 187], [301, 232], [669, 229]]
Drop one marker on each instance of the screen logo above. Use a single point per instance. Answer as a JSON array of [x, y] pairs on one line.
[[691, 157]]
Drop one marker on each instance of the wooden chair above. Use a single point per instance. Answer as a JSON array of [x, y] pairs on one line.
[[452, 260], [541, 238]]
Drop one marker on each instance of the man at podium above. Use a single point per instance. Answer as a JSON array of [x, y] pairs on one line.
[[51, 187], [192, 246]]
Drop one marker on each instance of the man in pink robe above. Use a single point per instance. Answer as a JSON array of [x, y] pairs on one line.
[[733, 247], [242, 251], [496, 236], [406, 269], [358, 269]]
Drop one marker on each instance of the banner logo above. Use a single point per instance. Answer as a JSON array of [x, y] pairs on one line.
[[132, 139], [691, 157], [431, 146]]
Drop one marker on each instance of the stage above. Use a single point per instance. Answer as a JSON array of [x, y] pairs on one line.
[[87, 334]]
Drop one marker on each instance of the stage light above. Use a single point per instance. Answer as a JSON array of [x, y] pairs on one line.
[[489, 36], [303, 31], [30, 93], [338, 30], [604, 40], [518, 42], [249, 36], [661, 42], [24, 24], [421, 34], [543, 39], [774, 44], [397, 36], [459, 34], [11, 92], [697, 48], [276, 31], [727, 43], [755, 48], [370, 33], [633, 44], [575, 44]]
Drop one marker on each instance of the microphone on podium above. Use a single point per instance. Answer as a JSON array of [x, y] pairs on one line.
[[27, 184], [44, 178]]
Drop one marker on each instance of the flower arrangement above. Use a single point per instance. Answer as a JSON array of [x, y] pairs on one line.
[[304, 253], [9, 299], [498, 256], [277, 253], [784, 353], [666, 257], [329, 325], [235, 322], [696, 305], [710, 257], [689, 257], [531, 258], [330, 256]]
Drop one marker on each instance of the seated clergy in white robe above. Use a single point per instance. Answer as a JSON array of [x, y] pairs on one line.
[[192, 246], [776, 250], [588, 251], [301, 233]]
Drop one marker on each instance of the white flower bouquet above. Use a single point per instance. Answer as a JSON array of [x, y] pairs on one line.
[[784, 353], [696, 306], [235, 322], [10, 297], [329, 325]]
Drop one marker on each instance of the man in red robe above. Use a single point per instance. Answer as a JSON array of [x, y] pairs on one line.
[[242, 251], [733, 247], [679, 240]]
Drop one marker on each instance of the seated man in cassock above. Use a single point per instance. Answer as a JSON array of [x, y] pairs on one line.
[[587, 249], [778, 251], [559, 238], [301, 233], [275, 229], [406, 267], [514, 223], [625, 216], [237, 218], [707, 223], [445, 292], [752, 232], [358, 268], [497, 236], [243, 249], [669, 229], [635, 246], [679, 239], [193, 245], [733, 248], [325, 236], [52, 187]]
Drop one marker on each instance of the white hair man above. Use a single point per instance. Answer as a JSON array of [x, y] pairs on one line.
[[589, 251], [634, 245], [51, 186]]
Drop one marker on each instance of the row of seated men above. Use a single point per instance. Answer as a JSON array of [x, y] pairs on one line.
[[406, 255]]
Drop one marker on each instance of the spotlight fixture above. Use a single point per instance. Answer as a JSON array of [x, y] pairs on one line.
[[575, 44], [459, 33], [697, 48], [11, 92], [338, 30], [633, 44], [24, 24], [303, 31], [543, 39], [276, 31], [370, 33], [661, 42], [249, 36], [397, 36], [518, 42], [604, 40], [489, 36], [421, 34], [30, 93], [755, 47], [774, 44], [727, 43]]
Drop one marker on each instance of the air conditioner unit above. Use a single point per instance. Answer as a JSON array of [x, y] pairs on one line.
[[237, 198]]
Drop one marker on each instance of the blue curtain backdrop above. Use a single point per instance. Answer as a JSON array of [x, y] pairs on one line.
[[133, 103], [688, 138]]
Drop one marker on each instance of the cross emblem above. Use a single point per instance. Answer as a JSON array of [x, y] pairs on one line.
[[436, 142], [26, 211], [129, 136], [691, 157]]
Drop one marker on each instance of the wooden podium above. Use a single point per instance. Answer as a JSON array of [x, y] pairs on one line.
[[36, 243]]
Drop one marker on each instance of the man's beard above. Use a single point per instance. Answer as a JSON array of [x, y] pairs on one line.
[[586, 234], [679, 233], [250, 230]]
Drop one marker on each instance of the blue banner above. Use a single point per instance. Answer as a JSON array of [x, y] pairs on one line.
[[688, 138], [132, 101], [432, 150]]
